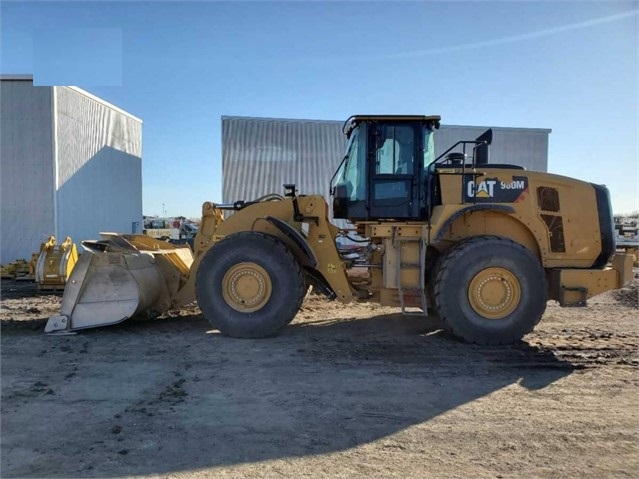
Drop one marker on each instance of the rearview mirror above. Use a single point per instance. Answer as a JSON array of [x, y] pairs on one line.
[[486, 136]]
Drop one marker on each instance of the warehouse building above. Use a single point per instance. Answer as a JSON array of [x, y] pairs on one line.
[[259, 155], [70, 165]]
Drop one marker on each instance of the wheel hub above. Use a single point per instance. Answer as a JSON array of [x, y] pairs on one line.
[[494, 293], [246, 287]]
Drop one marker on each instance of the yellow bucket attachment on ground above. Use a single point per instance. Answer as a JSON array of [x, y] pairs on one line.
[[120, 277], [55, 264], [8, 271], [18, 270], [33, 265]]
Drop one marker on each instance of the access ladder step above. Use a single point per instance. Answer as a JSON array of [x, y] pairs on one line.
[[416, 292], [411, 265]]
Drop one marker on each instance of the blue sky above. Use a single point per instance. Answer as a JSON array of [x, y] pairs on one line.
[[569, 66]]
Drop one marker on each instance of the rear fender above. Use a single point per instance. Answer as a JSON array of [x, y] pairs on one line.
[[447, 223], [484, 219]]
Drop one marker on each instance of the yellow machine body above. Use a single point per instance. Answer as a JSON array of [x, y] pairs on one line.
[[157, 276], [400, 245]]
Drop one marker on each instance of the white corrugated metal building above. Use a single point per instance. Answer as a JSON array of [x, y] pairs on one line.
[[70, 165], [259, 155]]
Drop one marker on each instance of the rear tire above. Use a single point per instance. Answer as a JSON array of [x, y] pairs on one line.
[[249, 285], [490, 290]]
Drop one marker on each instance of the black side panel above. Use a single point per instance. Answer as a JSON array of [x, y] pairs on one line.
[[503, 166], [606, 226], [432, 194]]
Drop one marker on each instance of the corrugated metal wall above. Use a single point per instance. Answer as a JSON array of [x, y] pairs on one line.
[[26, 168], [259, 155], [99, 169], [99, 151], [527, 147]]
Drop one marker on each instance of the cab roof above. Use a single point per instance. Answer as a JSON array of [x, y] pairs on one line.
[[353, 121]]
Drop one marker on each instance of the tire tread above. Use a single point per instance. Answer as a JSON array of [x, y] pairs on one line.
[[290, 309], [443, 273]]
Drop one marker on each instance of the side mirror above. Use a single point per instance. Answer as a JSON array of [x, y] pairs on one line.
[[486, 137]]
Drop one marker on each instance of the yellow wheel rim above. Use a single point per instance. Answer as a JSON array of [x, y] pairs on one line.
[[494, 293], [246, 287]]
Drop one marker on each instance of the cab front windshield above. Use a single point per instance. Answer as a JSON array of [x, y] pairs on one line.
[[429, 147], [352, 171]]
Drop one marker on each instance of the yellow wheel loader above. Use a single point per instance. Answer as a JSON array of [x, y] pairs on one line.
[[484, 246]]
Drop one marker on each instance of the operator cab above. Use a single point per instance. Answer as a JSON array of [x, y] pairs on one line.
[[389, 168], [381, 174]]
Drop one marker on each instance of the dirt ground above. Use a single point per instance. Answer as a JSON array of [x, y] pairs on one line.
[[353, 391]]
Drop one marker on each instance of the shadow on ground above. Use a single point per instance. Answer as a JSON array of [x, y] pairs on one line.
[[170, 395], [13, 289]]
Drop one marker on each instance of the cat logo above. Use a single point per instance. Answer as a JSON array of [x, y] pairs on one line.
[[495, 189], [485, 189]]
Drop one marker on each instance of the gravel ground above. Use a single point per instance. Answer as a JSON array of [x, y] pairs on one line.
[[345, 391]]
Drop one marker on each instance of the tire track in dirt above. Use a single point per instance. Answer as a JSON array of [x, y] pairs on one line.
[[24, 311]]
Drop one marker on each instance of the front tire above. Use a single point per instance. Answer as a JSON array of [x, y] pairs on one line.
[[490, 290], [249, 285]]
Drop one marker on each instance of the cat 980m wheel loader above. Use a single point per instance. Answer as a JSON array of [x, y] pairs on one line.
[[484, 246]]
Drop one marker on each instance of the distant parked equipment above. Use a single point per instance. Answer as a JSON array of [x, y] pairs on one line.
[[628, 238], [627, 233], [18, 270], [26, 271], [178, 228], [7, 271]]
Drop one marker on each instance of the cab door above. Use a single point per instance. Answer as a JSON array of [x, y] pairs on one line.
[[394, 157]]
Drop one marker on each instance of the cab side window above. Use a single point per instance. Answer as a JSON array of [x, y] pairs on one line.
[[395, 148]]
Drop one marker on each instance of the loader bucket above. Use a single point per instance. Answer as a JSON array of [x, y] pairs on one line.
[[119, 278]]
